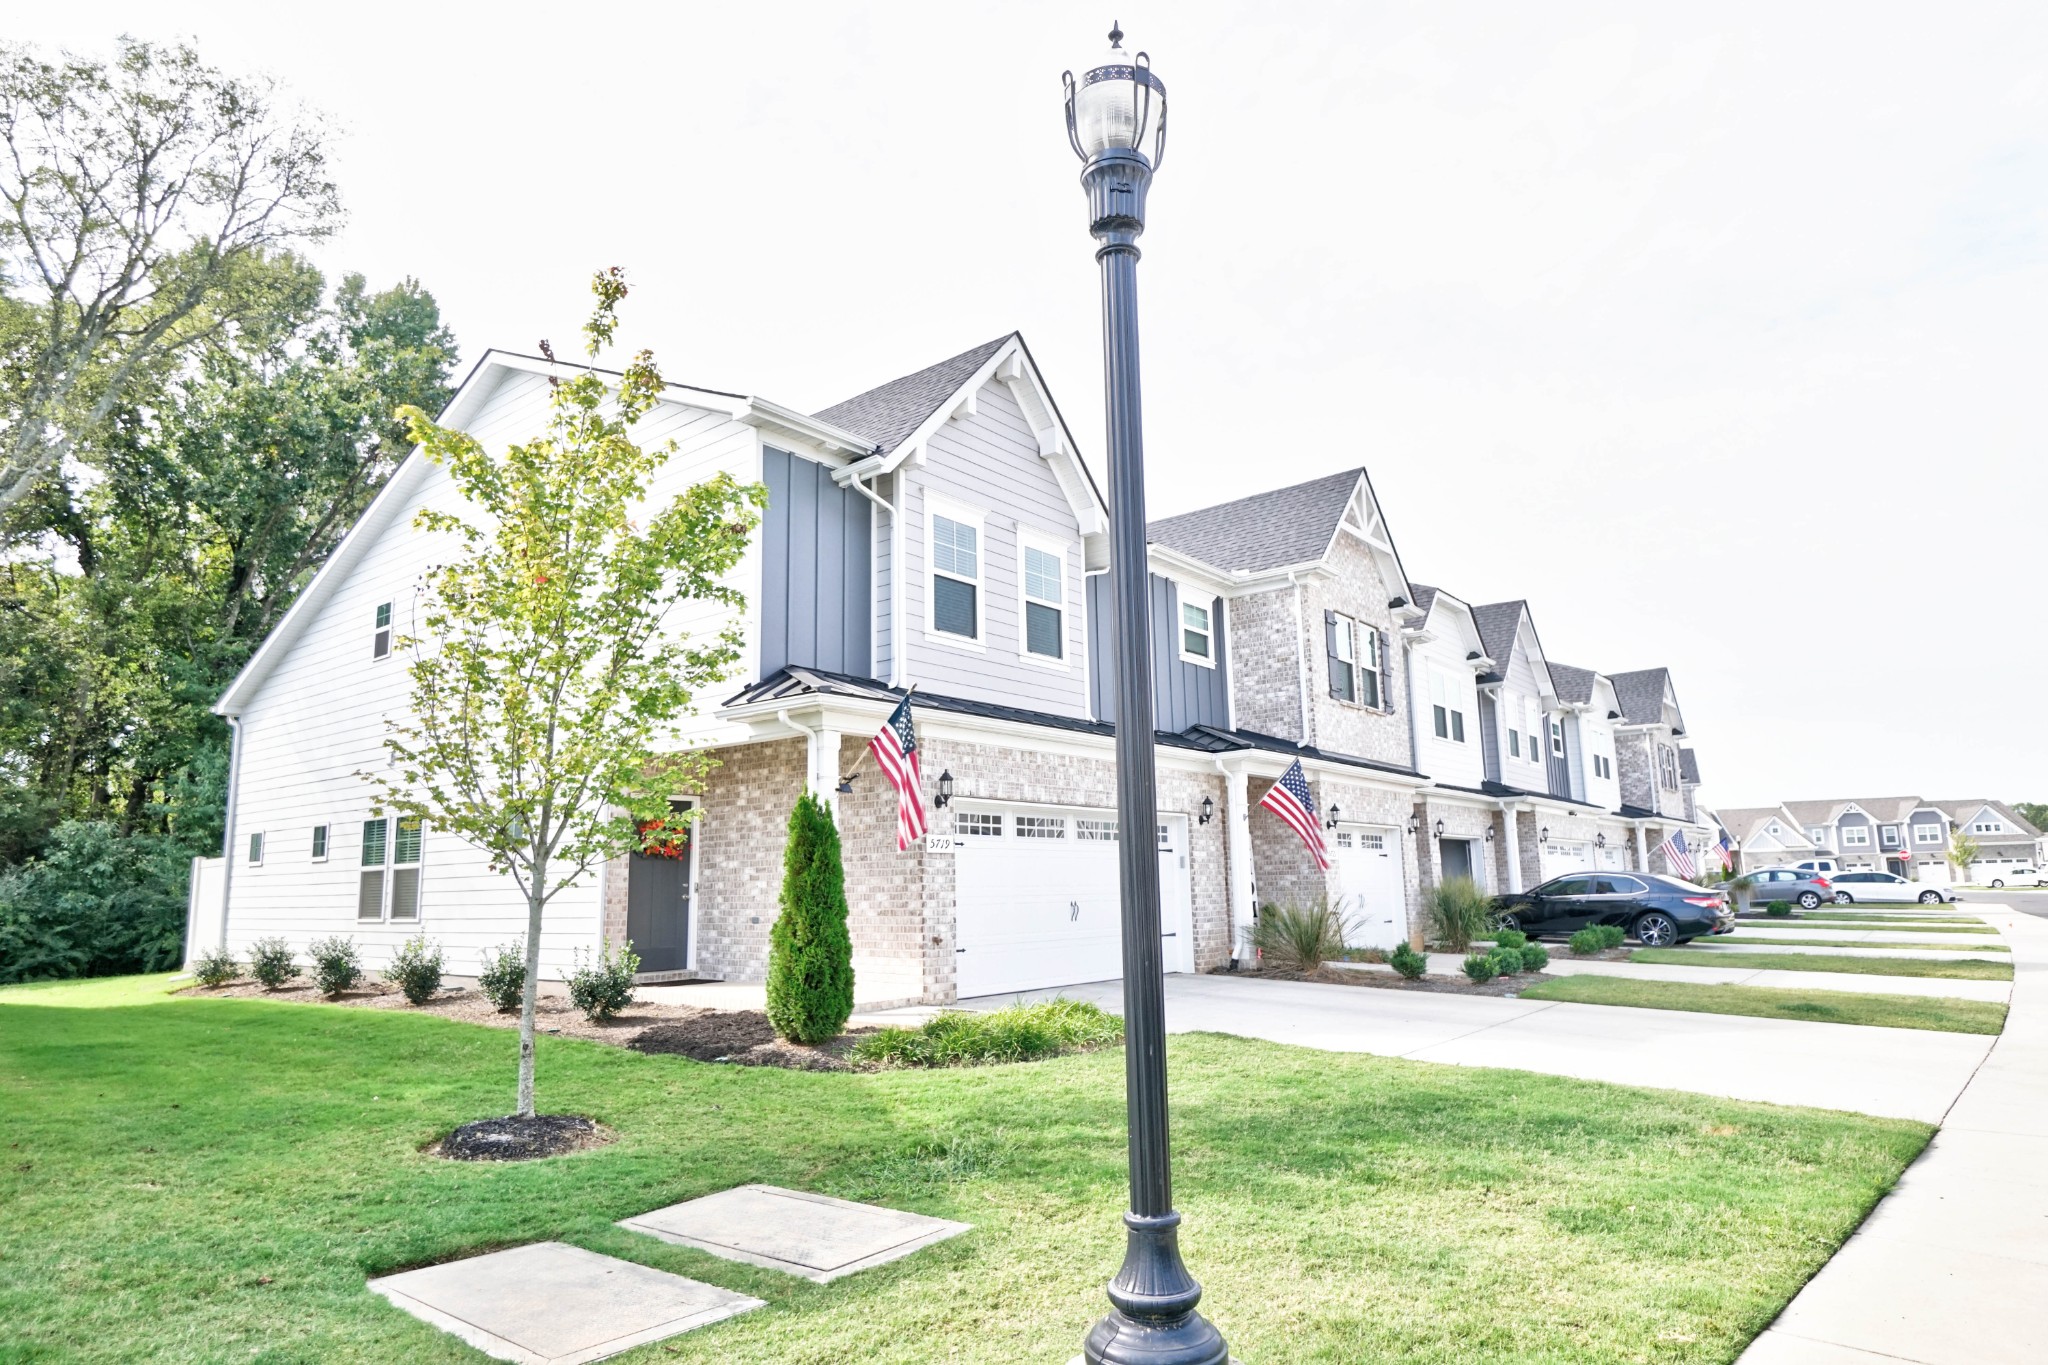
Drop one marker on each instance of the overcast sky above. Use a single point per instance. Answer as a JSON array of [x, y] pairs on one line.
[[1717, 332]]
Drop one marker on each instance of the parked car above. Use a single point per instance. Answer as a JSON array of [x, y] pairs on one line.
[[1851, 887], [1805, 889], [1656, 911], [1827, 867], [2019, 876]]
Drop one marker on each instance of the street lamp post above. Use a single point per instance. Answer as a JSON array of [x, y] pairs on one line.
[[1114, 110]]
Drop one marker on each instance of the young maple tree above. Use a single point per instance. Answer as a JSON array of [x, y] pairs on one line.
[[544, 675]]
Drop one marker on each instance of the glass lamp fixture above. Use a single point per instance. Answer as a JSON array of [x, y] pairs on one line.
[[1331, 823], [1208, 809], [945, 795], [1117, 105], [1439, 829]]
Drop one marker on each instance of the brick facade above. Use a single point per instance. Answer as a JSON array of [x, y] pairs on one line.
[[1355, 589], [1284, 873], [1264, 663]]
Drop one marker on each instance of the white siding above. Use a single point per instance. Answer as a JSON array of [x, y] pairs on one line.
[[1460, 765], [990, 462], [319, 718], [1518, 695]]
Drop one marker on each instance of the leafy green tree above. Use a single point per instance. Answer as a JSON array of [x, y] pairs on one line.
[[2034, 813], [544, 674], [1962, 851], [810, 955], [143, 200]]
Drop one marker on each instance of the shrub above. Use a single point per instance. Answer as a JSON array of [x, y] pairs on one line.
[[1780, 909], [503, 979], [603, 985], [1611, 935], [416, 971], [1510, 938], [1480, 967], [1506, 961], [270, 962], [1535, 957], [810, 954], [1458, 913], [97, 902], [1408, 962], [215, 968], [1298, 939], [336, 967], [1020, 1033]]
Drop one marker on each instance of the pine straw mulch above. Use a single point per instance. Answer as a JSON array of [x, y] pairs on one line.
[[743, 1037]]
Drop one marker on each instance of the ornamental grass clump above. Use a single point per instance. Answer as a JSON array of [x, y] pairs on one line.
[[503, 979], [337, 967], [1297, 938], [1459, 912], [810, 953], [603, 985], [215, 967], [1408, 962], [1020, 1033], [1480, 968], [416, 970], [270, 962]]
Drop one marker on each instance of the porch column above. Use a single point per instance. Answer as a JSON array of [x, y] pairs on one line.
[[1642, 851], [1237, 826], [823, 778], [1510, 817]]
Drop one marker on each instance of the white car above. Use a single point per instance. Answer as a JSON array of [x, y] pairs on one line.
[[1851, 887], [2018, 876]]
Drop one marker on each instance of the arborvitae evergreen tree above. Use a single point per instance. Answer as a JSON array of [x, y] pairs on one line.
[[810, 954]]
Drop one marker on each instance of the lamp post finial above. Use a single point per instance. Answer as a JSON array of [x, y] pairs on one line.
[[1116, 33]]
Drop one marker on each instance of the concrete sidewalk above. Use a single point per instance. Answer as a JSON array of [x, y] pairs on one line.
[[1897, 1073], [1952, 1268], [1997, 992]]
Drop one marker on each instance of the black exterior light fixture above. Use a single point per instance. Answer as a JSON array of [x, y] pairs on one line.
[[1489, 834], [1414, 824], [1331, 823], [1439, 829], [1208, 810], [1543, 835], [945, 792], [1116, 124], [1600, 840]]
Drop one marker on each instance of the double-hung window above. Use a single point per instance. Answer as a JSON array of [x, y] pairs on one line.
[[1045, 601], [1514, 742], [1927, 834], [1557, 738], [256, 850], [370, 883], [405, 869], [1856, 836], [956, 576], [1447, 718], [388, 886], [1354, 660], [1370, 675], [380, 637], [319, 843], [1197, 638]]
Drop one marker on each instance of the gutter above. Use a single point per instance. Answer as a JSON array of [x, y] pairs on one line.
[[227, 875]]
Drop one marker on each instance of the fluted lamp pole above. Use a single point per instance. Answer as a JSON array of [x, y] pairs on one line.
[[1116, 121]]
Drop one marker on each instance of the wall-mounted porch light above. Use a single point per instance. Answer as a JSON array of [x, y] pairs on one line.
[[1208, 809], [1331, 823], [945, 794]]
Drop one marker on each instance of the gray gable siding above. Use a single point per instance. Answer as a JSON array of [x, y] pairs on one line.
[[989, 462], [1183, 694], [1489, 734], [1558, 766], [816, 607]]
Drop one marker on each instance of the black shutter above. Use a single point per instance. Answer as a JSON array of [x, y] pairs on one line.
[[1386, 674], [1332, 662]]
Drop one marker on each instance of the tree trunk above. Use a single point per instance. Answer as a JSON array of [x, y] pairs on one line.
[[535, 900]]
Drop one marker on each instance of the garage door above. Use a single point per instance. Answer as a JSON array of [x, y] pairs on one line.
[[1036, 897], [1608, 859], [1366, 885], [1559, 857]]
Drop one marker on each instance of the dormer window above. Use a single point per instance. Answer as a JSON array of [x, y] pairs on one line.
[[1988, 827], [955, 576], [380, 637]]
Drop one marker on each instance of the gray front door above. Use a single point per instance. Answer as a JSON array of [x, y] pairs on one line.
[[658, 911], [1457, 858]]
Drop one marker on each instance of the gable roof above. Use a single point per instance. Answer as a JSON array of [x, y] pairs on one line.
[[1641, 694], [889, 413], [1270, 530], [1498, 622], [1688, 766], [1425, 596], [1960, 811], [1574, 685], [1744, 823]]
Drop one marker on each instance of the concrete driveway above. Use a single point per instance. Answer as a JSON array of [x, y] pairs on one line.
[[1896, 1073]]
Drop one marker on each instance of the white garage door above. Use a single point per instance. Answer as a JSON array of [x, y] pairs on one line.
[[1036, 897], [1608, 859], [1559, 857], [1366, 885]]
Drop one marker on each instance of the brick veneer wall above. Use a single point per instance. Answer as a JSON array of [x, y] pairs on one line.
[[1264, 659], [1356, 590], [1285, 873]]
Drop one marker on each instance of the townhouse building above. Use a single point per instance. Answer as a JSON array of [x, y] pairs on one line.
[[1909, 836], [939, 536]]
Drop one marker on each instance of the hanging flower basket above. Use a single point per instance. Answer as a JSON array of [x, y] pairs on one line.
[[664, 838]]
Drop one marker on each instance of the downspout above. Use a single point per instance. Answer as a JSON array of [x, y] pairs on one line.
[[896, 632], [227, 874], [1414, 706], [1237, 843], [1300, 652], [810, 749]]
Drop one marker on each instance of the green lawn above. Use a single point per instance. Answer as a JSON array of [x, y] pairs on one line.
[[1740, 937], [1766, 1002], [1844, 922], [1904, 916], [194, 1180], [1953, 969]]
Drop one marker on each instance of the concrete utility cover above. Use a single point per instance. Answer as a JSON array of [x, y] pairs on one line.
[[804, 1234], [554, 1304]]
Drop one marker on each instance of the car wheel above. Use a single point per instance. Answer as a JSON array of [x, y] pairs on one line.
[[1655, 930], [1844, 898], [1997, 883], [1506, 924], [1809, 900], [1930, 898]]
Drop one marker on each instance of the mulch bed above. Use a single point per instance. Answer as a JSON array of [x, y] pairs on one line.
[[1508, 986], [521, 1139], [741, 1037]]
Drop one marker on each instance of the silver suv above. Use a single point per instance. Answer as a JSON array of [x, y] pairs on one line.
[[1807, 890]]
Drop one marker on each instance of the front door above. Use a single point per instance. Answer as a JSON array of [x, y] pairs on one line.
[[1457, 859], [658, 910]]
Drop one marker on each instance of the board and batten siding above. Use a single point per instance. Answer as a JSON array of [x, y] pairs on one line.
[[816, 607], [1183, 694], [318, 719], [989, 463]]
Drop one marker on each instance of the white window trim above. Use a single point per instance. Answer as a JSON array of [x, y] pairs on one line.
[[1556, 737], [418, 867], [254, 849], [1855, 836], [1347, 628], [1184, 596], [390, 630], [1366, 634], [1926, 834], [1029, 539], [326, 845], [936, 506]]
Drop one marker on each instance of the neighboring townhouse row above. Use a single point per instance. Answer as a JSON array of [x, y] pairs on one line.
[[941, 533], [1909, 836]]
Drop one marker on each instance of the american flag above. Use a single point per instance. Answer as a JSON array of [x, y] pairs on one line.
[[1678, 855], [895, 749], [1290, 800], [1726, 847]]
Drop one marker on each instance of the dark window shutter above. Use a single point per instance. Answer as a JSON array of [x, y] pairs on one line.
[[1386, 674], [1330, 651]]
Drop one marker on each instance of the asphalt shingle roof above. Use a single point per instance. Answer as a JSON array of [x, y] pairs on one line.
[[1268, 530], [1688, 761], [1498, 622], [888, 414], [1641, 694], [1573, 685], [1425, 596]]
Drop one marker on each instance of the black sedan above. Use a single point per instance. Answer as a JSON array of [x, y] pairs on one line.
[[1656, 911]]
